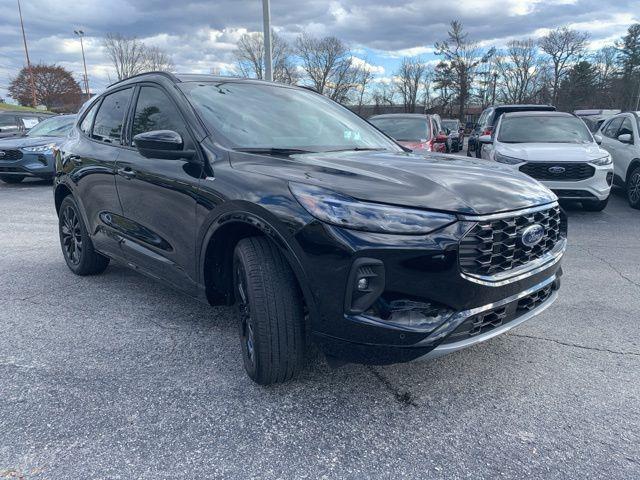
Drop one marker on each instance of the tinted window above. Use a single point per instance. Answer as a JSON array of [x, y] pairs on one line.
[[403, 129], [267, 116], [626, 127], [110, 117], [543, 129], [612, 127], [8, 121], [155, 111], [87, 121]]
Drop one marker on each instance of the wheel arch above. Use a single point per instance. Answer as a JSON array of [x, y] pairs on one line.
[[59, 194], [218, 244]]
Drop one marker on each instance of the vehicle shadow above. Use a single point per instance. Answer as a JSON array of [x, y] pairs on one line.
[[27, 183]]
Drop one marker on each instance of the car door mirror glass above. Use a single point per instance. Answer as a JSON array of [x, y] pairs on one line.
[[598, 139]]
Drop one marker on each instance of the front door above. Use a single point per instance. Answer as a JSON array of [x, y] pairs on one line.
[[158, 196]]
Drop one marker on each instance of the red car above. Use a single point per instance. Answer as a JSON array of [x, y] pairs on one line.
[[413, 130]]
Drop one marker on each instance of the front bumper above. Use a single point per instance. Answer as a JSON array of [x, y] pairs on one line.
[[597, 187], [30, 165], [420, 269]]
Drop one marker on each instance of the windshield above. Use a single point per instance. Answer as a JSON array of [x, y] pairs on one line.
[[403, 129], [450, 124], [543, 129], [255, 116], [52, 127]]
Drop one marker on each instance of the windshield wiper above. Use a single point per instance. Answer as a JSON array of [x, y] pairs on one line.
[[357, 149], [273, 151]]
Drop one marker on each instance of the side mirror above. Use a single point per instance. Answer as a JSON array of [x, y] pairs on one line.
[[598, 139], [625, 138], [485, 139], [165, 144], [441, 138]]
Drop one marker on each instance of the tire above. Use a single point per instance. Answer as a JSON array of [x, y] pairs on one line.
[[595, 205], [270, 312], [633, 188], [77, 247], [11, 178]]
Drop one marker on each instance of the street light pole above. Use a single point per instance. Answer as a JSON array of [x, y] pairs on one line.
[[266, 20], [26, 52], [80, 34]]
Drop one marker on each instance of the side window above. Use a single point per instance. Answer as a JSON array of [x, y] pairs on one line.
[[626, 127], [612, 127], [30, 122], [156, 111], [110, 117], [87, 121]]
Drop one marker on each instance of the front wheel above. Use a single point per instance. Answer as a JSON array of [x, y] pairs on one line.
[[595, 205], [633, 188], [77, 247], [270, 312], [11, 178]]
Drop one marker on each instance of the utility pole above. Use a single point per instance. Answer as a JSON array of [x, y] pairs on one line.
[[266, 20], [26, 52], [80, 34]]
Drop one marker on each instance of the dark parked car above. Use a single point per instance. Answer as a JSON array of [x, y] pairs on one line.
[[489, 119], [32, 155], [420, 133], [314, 224], [16, 124], [456, 134]]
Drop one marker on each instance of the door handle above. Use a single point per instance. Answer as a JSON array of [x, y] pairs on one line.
[[127, 173]]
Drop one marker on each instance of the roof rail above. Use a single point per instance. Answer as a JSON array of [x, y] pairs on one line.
[[170, 76]]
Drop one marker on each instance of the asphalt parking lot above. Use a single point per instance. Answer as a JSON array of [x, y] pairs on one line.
[[116, 376]]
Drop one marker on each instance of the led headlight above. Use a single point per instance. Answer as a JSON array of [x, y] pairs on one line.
[[40, 148], [508, 160], [342, 210], [606, 160]]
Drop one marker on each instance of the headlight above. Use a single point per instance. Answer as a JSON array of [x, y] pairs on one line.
[[40, 148], [345, 211], [508, 160], [606, 160]]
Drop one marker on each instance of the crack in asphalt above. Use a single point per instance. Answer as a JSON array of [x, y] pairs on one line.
[[403, 398], [610, 265], [576, 345]]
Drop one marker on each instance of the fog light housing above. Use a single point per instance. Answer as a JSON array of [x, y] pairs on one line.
[[364, 285], [610, 178]]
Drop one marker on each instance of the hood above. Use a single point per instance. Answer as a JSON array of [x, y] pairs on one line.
[[552, 152], [21, 142], [434, 181]]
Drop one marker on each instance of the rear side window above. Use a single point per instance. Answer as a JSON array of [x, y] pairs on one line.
[[612, 127], [8, 121], [87, 121], [156, 111], [110, 117]]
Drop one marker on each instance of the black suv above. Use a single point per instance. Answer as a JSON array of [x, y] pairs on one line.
[[489, 119], [314, 224]]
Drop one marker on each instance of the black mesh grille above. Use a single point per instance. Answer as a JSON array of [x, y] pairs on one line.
[[564, 171], [495, 246], [490, 319], [574, 194], [11, 155]]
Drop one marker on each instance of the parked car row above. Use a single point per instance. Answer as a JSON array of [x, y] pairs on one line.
[[17, 123]]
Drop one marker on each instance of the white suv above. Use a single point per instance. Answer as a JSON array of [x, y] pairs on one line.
[[619, 136], [556, 149]]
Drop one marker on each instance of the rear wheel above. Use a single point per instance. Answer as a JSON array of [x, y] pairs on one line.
[[595, 205], [11, 178], [633, 188], [270, 312], [77, 247]]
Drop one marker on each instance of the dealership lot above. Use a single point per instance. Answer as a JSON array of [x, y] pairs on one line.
[[116, 376]]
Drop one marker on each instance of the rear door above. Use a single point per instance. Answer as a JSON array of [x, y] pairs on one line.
[[610, 143], [626, 151], [158, 196]]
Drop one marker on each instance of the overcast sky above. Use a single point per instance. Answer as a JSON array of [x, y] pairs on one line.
[[201, 35]]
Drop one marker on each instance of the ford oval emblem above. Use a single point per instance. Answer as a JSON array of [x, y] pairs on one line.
[[2, 154], [557, 170], [532, 235]]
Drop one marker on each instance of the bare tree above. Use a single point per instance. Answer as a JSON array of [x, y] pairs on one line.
[[127, 54], [564, 47], [157, 60], [409, 78], [384, 94], [250, 58], [461, 57], [517, 68], [329, 66], [363, 82]]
